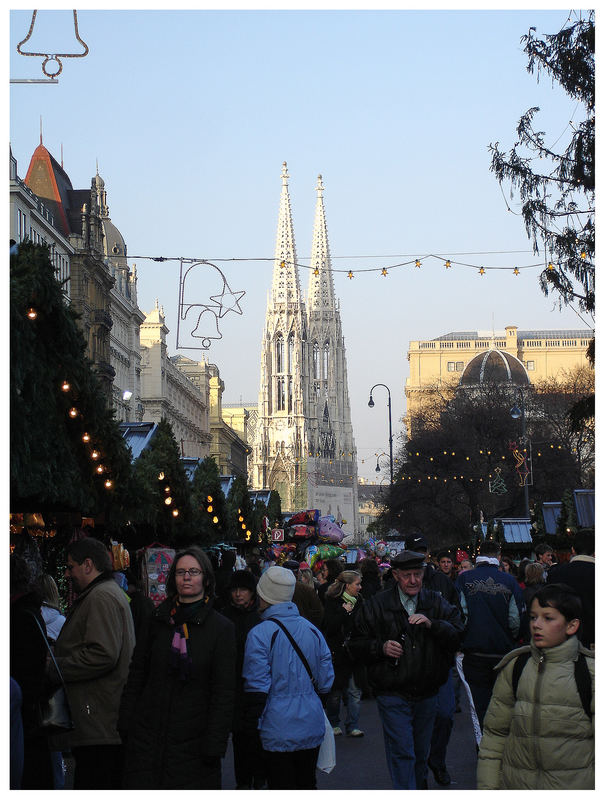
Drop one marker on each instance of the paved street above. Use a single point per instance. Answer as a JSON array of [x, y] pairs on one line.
[[361, 764]]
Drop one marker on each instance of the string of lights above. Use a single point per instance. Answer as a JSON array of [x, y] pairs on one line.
[[416, 262]]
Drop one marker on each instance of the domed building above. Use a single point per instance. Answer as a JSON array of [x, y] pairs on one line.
[[494, 366]]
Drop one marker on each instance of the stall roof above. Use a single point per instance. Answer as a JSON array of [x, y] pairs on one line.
[[138, 435], [584, 500], [516, 531]]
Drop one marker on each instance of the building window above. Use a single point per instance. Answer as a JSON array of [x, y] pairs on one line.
[[315, 360], [529, 365], [291, 353], [459, 366], [326, 360], [279, 353], [451, 366]]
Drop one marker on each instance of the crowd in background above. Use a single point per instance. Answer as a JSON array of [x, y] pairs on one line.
[[258, 653]]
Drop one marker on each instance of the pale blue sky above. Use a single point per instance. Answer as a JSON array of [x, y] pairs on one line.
[[191, 113]]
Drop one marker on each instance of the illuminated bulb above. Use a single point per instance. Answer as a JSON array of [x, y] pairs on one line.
[[448, 264], [516, 271], [481, 271], [65, 386], [583, 254], [243, 526], [168, 501], [73, 412], [282, 264], [175, 512], [215, 520], [100, 469], [209, 498], [240, 518], [94, 455], [167, 489], [161, 476], [108, 484], [384, 272], [417, 264], [550, 265], [316, 272], [209, 509], [86, 437], [32, 313], [350, 274]]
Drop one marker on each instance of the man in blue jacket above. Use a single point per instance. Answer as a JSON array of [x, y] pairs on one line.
[[281, 699], [492, 603]]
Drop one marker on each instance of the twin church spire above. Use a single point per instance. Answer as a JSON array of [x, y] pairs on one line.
[[304, 445]]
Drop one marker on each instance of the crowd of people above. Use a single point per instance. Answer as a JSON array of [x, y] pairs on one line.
[[278, 657]]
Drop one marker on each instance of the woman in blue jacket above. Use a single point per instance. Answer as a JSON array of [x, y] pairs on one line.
[[281, 700]]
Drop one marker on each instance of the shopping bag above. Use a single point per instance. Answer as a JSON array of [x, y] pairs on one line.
[[326, 760]]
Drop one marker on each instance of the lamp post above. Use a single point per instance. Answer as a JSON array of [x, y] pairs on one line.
[[517, 412], [371, 404]]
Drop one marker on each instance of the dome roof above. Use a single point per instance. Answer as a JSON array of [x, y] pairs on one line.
[[494, 366], [113, 243]]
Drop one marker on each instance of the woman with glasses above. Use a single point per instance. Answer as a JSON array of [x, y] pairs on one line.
[[177, 705]]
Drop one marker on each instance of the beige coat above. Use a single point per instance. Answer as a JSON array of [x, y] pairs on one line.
[[93, 652], [544, 740]]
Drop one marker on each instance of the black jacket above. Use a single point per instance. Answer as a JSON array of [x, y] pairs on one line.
[[244, 620], [428, 653], [336, 627], [177, 730]]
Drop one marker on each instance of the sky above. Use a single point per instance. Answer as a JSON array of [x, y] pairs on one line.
[[190, 113]]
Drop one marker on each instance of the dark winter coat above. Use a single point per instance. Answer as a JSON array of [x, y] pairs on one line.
[[244, 619], [336, 628], [579, 574], [176, 730], [428, 653]]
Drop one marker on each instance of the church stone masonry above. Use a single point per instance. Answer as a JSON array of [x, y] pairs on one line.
[[304, 446]]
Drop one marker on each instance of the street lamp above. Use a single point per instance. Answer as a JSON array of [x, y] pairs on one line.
[[518, 412], [371, 404]]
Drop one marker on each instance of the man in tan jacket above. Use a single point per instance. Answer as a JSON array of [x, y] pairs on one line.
[[93, 652]]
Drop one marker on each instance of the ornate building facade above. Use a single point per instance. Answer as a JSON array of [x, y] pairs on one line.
[[439, 363], [77, 215], [181, 396], [126, 316], [31, 219], [304, 446]]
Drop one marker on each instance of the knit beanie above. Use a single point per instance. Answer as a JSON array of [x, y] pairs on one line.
[[243, 579], [276, 585]]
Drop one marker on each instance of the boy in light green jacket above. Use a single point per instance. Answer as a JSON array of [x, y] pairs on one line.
[[539, 727]]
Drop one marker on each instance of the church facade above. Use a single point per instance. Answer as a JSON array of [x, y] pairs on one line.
[[304, 446]]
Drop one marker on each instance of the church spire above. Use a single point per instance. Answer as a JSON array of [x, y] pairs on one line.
[[286, 284], [321, 284]]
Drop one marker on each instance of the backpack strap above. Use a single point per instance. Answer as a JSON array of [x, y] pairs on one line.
[[299, 652], [583, 683], [581, 675], [518, 667]]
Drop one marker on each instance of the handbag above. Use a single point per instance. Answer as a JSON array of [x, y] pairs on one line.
[[326, 758], [54, 715]]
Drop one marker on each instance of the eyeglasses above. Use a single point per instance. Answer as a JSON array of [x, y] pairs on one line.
[[180, 573]]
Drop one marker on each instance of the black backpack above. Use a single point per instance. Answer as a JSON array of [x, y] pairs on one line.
[[581, 674]]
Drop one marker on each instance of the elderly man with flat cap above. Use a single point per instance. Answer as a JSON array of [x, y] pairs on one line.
[[407, 636]]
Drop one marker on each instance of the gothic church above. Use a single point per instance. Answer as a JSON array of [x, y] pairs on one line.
[[304, 446]]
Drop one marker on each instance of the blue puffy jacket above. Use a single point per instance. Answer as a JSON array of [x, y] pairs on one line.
[[293, 717]]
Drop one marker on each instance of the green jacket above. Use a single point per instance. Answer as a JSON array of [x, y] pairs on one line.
[[93, 652], [544, 739]]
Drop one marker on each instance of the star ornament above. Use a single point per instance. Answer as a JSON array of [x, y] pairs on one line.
[[228, 301]]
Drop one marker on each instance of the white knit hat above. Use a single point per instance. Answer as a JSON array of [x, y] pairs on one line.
[[276, 585]]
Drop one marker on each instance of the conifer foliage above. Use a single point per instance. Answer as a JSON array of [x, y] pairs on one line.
[[163, 502], [557, 186], [210, 516], [50, 464]]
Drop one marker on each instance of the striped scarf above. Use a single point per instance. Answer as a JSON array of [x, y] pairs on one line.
[[179, 658]]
